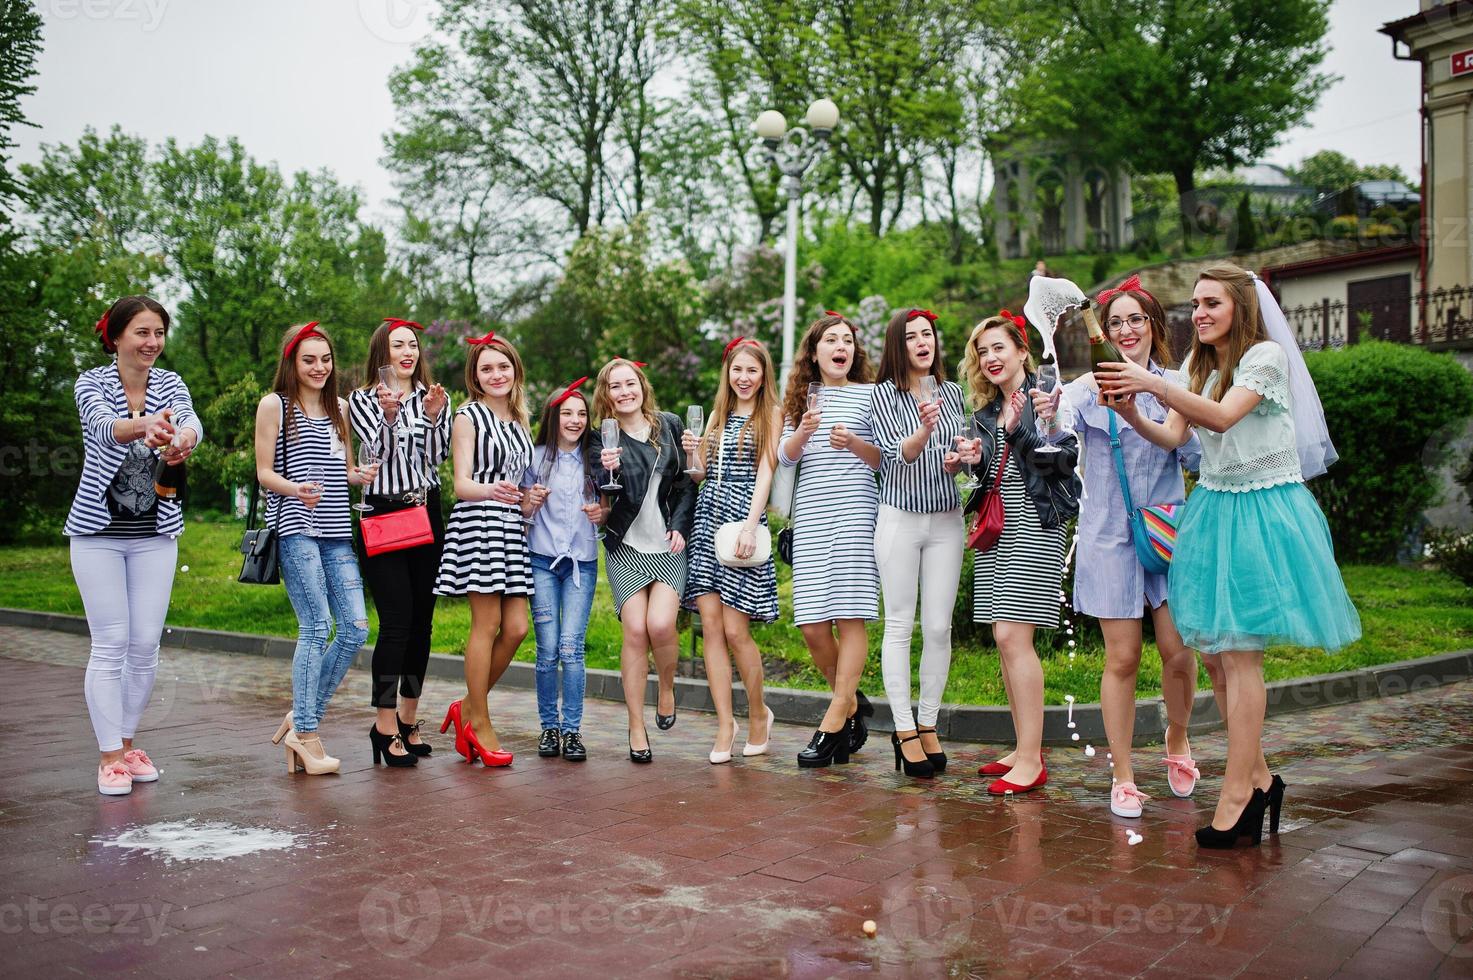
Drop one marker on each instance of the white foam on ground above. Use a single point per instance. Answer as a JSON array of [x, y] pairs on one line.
[[193, 840]]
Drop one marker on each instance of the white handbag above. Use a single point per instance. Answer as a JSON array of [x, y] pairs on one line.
[[728, 533], [784, 482]]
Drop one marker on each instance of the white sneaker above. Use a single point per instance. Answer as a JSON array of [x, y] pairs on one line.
[[113, 779], [1126, 800]]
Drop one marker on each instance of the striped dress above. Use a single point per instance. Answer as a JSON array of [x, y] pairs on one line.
[[1018, 580], [485, 546], [726, 495], [834, 507], [312, 451]]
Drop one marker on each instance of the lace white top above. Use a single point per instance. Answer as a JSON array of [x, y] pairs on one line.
[[1258, 451]]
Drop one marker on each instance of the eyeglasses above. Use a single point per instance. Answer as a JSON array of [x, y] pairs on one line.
[[1137, 322]]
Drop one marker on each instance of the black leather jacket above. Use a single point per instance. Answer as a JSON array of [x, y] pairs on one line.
[[636, 464], [1049, 478]]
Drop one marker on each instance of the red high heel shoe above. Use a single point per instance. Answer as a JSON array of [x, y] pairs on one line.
[[466, 744], [452, 714], [1001, 787]]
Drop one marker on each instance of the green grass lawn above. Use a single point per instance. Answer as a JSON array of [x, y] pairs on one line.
[[1406, 613]]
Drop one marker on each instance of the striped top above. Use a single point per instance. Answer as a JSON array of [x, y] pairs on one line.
[[920, 486], [503, 449], [101, 401], [314, 444], [411, 447]]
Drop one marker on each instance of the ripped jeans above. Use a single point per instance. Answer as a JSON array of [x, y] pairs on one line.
[[560, 612], [322, 581]]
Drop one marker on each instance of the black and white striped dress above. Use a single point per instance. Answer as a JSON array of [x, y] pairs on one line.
[[1018, 580], [485, 546], [726, 495], [412, 447], [313, 450]]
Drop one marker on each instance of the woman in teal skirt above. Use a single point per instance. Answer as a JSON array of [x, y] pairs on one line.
[[1254, 564]]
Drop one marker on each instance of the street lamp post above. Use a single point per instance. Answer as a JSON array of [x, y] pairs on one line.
[[793, 151]]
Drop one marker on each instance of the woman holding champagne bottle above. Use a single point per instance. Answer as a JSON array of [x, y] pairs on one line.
[[303, 461], [652, 501], [123, 534]]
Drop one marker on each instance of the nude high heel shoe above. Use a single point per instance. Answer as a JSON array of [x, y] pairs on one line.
[[749, 748], [286, 726], [299, 758]]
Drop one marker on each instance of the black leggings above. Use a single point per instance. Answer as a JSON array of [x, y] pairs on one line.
[[402, 584]]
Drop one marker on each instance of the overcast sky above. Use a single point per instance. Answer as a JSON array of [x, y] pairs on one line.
[[303, 82]]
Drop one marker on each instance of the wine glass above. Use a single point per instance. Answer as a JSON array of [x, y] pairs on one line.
[[1046, 382], [815, 396], [368, 455], [695, 421], [926, 393], [972, 433], [316, 479], [590, 497], [516, 464], [609, 433]]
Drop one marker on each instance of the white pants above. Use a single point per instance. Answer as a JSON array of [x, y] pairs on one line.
[[917, 553], [125, 585]]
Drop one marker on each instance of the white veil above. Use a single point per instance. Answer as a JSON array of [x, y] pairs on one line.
[[1311, 435]]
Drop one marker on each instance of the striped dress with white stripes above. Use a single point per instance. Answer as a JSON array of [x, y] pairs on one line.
[[312, 451], [485, 546], [833, 518], [412, 446], [1018, 580]]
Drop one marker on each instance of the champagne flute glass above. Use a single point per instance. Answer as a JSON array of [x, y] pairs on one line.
[[516, 464], [1046, 382], [609, 434], [590, 498], [367, 456], [926, 392], [972, 433], [815, 396], [695, 421], [316, 479]]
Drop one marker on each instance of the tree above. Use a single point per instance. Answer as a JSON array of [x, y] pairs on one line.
[[20, 45], [1329, 171], [1174, 86]]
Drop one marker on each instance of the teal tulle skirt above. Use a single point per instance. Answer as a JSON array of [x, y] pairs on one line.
[[1255, 569]]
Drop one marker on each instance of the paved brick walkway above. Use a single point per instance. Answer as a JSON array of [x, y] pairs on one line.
[[685, 869]]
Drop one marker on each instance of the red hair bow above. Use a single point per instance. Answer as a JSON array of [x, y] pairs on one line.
[[912, 314], [735, 343], [1020, 322], [310, 330], [101, 329], [834, 313], [1131, 285], [395, 323], [638, 364], [490, 336], [567, 392]]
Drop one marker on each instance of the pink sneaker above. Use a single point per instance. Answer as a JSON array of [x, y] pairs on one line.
[[1181, 775], [114, 779], [140, 766], [1126, 800]]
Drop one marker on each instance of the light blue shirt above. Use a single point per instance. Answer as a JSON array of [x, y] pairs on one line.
[[561, 529]]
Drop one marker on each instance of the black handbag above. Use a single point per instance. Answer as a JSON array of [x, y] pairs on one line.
[[785, 536], [261, 564]]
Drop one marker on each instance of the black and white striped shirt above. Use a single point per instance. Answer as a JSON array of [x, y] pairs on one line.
[[314, 445], [411, 447], [920, 486]]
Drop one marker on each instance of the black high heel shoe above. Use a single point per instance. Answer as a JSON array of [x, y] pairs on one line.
[[1275, 802], [381, 745], [866, 710], [858, 732], [825, 748], [919, 770], [640, 755], [421, 749], [665, 722], [938, 759], [1249, 824]]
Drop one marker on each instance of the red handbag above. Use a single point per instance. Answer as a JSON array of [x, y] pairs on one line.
[[397, 530], [988, 529]]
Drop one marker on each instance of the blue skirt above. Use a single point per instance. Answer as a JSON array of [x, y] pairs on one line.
[[1257, 568]]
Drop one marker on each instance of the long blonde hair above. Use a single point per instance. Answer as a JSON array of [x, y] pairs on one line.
[[982, 390], [603, 405], [516, 400], [761, 426], [1246, 330]]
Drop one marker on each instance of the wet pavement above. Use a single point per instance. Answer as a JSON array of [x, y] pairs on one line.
[[681, 868]]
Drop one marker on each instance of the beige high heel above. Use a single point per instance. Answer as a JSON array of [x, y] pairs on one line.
[[286, 726], [299, 758]]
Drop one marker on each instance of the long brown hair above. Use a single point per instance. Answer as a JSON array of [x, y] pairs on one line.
[[516, 399], [760, 426], [378, 356], [805, 365], [603, 405], [289, 385], [895, 359], [1160, 331], [981, 389], [1246, 330]]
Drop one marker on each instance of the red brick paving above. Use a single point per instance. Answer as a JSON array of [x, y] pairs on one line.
[[684, 869]]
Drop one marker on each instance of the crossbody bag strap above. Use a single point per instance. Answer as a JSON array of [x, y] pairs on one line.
[[1119, 457], [285, 464]]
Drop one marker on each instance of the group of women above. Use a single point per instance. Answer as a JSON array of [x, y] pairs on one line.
[[866, 463]]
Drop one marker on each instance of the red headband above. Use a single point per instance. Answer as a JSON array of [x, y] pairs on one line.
[[911, 315], [567, 392], [1131, 285], [638, 364], [1019, 322], [101, 329], [835, 313], [310, 330], [490, 336], [735, 343], [395, 323]]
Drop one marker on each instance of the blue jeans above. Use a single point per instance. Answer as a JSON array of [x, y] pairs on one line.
[[560, 612], [322, 581]]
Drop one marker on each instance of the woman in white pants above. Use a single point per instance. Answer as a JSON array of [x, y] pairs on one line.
[[122, 532], [918, 535]]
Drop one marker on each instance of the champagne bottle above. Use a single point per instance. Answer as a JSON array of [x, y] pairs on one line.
[[1101, 350], [168, 478]]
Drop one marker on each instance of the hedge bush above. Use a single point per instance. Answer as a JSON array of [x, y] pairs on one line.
[[1388, 407]]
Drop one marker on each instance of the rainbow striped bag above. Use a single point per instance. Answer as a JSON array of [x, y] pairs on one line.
[[1153, 527]]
